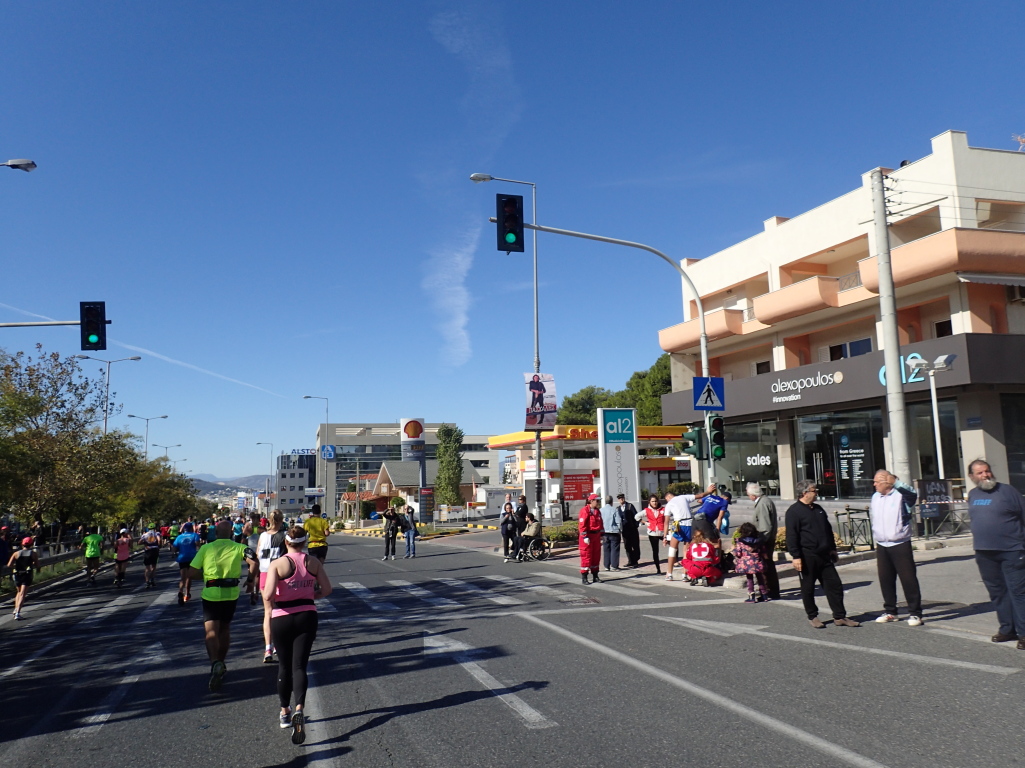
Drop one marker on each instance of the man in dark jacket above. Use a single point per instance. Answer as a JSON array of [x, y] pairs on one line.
[[631, 536], [520, 513], [810, 542]]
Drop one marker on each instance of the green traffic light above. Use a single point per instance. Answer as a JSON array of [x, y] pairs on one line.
[[718, 452], [93, 338], [510, 237]]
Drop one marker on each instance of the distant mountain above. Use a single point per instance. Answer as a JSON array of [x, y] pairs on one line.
[[206, 478], [253, 482]]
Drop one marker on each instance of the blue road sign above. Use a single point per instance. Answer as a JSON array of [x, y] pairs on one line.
[[327, 452], [709, 393]]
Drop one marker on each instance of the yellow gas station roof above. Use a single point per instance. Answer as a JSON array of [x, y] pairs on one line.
[[582, 436]]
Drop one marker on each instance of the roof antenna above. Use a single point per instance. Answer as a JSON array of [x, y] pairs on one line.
[[1020, 138]]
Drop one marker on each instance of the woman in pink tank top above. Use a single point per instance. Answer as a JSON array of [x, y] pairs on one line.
[[291, 590]]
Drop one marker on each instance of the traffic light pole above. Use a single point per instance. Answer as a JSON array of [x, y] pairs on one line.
[[629, 244], [49, 322]]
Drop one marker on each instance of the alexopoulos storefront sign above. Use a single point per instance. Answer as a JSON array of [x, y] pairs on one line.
[[981, 358]]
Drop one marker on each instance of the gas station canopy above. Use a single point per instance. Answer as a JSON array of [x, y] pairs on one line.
[[583, 437]]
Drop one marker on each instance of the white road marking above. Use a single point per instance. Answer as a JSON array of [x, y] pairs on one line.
[[367, 596], [834, 751], [538, 588], [316, 728], [63, 611], [41, 652], [567, 579], [486, 594], [108, 609], [426, 595], [462, 654], [720, 628], [95, 721], [154, 609]]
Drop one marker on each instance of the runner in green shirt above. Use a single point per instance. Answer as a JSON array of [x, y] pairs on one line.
[[92, 546], [219, 566]]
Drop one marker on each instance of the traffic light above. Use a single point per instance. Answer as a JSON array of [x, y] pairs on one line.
[[717, 437], [92, 316], [509, 214], [696, 448]]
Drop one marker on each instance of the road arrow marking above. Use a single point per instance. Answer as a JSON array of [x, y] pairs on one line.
[[720, 628], [463, 655]]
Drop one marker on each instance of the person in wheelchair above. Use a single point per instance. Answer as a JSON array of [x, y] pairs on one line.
[[530, 534]]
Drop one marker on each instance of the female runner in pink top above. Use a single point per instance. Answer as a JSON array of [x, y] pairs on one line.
[[290, 590], [123, 553]]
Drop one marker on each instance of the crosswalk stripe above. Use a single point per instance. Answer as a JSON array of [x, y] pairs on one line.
[[367, 596], [567, 579], [538, 588], [425, 595], [487, 594]]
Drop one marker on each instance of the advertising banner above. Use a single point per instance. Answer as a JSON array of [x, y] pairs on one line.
[[426, 505], [541, 404], [314, 492], [412, 439], [617, 454], [577, 487]]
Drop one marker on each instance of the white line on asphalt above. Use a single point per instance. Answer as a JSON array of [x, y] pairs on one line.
[[60, 612], [834, 751], [41, 652], [423, 594], [154, 609], [462, 654], [723, 628], [567, 579], [367, 596], [967, 635], [95, 721], [539, 588], [108, 609], [486, 594], [316, 729]]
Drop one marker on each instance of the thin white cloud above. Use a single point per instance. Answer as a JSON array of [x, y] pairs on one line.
[[157, 355], [445, 284]]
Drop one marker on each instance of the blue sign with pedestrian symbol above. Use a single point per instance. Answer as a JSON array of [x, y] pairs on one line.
[[327, 452], [709, 393]]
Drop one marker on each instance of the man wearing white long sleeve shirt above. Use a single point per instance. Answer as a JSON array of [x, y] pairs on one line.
[[678, 524], [890, 510]]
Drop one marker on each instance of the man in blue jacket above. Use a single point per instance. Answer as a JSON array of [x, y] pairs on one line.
[[890, 510]]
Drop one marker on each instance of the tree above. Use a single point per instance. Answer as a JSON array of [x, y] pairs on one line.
[[581, 406], [643, 391], [450, 465]]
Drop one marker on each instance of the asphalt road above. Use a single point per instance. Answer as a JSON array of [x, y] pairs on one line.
[[457, 659]]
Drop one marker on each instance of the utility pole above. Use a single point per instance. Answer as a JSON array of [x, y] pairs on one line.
[[891, 336]]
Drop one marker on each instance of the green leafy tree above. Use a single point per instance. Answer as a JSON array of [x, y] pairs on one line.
[[581, 407], [450, 465], [643, 391]]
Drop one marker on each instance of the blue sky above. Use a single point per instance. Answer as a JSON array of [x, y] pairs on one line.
[[273, 198]]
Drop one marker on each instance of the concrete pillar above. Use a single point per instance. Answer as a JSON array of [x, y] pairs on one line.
[[786, 458], [981, 424]]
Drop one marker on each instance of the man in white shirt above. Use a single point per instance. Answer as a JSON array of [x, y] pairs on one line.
[[678, 523], [890, 510]]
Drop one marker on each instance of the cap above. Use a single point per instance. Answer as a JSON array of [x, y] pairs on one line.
[[620, 496], [27, 541], [593, 496], [123, 530], [152, 527]]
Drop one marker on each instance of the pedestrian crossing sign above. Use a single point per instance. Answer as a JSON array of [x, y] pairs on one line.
[[709, 393]]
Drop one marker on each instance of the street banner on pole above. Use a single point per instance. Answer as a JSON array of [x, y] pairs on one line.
[[541, 402], [617, 453]]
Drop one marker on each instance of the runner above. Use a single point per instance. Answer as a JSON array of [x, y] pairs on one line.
[[122, 554], [237, 530], [269, 547], [290, 586], [151, 543], [219, 564], [172, 534], [22, 562], [317, 529], [92, 546], [185, 546]]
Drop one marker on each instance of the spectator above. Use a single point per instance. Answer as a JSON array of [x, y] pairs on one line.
[[655, 520], [767, 524], [590, 528], [520, 515], [612, 532], [890, 510], [701, 561], [998, 534], [631, 536], [748, 559], [410, 532], [391, 532], [531, 533], [507, 525], [810, 542]]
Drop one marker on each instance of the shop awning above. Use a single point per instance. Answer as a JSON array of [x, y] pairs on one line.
[[991, 279]]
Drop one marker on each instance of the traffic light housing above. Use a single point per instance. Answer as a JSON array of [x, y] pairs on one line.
[[696, 448], [92, 317], [717, 437], [509, 214]]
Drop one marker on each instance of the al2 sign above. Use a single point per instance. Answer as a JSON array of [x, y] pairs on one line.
[[617, 453]]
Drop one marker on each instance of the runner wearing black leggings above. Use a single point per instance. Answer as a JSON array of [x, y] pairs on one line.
[[291, 581]]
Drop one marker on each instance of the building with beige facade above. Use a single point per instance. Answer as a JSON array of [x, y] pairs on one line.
[[793, 324]]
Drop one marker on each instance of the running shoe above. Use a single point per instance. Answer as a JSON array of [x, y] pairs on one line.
[[915, 621], [181, 599], [268, 658], [187, 597], [285, 720], [886, 618], [751, 599], [17, 616], [298, 728], [217, 670]]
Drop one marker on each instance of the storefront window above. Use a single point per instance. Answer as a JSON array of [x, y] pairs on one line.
[[1013, 407], [751, 457], [923, 438], [841, 451]]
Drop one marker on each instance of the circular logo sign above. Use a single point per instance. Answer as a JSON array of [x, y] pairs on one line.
[[844, 441], [837, 377]]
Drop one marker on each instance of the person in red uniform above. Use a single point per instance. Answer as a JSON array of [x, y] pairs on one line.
[[701, 560], [591, 529]]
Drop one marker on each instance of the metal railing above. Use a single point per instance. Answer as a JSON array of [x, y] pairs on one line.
[[854, 527], [849, 281], [749, 314], [931, 520]]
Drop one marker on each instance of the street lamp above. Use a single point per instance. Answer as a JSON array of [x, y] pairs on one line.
[[21, 164], [151, 418], [175, 463], [327, 422], [941, 363], [166, 448], [477, 178], [273, 476], [106, 400]]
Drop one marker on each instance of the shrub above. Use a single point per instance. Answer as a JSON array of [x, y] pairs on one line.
[[683, 488]]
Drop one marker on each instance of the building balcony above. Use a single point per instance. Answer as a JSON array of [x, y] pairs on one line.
[[718, 325], [809, 295], [947, 252]]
